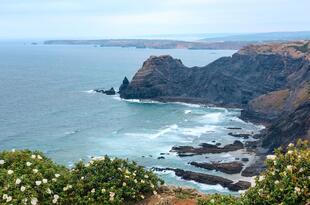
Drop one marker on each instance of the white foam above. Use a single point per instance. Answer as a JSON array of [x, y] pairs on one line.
[[187, 111], [160, 133], [89, 91], [187, 104], [213, 117], [198, 130]]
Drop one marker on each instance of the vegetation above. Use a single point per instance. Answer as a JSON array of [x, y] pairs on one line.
[[30, 178], [286, 181]]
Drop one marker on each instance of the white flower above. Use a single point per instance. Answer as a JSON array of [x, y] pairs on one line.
[[146, 176], [69, 186], [10, 172], [124, 184], [301, 169], [87, 165], [28, 164], [18, 181], [8, 199], [93, 191], [57, 175], [34, 201], [290, 145], [155, 192], [54, 179], [142, 197], [4, 196], [33, 156], [54, 201], [22, 188], [2, 161], [103, 190], [25, 200], [276, 182], [261, 178], [82, 178], [49, 191], [39, 157], [289, 168], [297, 190], [135, 181], [152, 185], [56, 196], [271, 157], [112, 194], [35, 171], [65, 188], [38, 183], [44, 181], [212, 201], [290, 152]]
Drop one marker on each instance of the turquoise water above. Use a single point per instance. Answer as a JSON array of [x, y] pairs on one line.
[[47, 104]]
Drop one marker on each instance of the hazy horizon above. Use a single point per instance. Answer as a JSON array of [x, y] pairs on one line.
[[63, 19]]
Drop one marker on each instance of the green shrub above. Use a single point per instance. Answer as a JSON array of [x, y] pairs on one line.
[[286, 180], [30, 178], [111, 181]]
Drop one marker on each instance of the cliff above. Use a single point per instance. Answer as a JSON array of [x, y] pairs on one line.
[[270, 82]]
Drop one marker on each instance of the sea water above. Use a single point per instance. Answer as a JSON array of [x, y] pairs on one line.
[[48, 104]]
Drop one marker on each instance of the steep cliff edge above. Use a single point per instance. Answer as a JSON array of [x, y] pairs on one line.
[[270, 82]]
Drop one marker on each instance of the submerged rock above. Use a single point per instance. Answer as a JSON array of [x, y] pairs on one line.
[[111, 91]]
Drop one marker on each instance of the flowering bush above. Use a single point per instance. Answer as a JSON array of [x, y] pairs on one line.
[[30, 178], [111, 181], [286, 181]]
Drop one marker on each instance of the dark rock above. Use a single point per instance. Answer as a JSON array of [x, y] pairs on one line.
[[228, 168], [245, 159], [241, 135], [206, 178], [110, 92], [237, 158], [254, 169], [218, 144], [234, 128], [161, 157], [240, 185], [207, 148]]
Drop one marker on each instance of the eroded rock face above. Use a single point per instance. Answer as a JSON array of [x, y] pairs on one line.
[[288, 128]]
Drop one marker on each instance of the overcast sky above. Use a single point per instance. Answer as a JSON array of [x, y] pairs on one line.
[[21, 19]]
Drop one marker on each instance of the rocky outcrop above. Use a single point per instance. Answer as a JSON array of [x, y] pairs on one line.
[[228, 167], [111, 91], [208, 179], [206, 148]]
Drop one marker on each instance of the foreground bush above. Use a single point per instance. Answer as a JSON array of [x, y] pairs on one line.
[[30, 178], [286, 181]]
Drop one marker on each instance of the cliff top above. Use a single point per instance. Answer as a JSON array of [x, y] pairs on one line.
[[296, 49]]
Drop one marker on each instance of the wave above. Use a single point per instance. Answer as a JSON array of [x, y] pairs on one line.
[[198, 130], [158, 134], [71, 132]]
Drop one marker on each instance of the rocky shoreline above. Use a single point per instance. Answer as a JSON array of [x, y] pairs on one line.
[[270, 83]]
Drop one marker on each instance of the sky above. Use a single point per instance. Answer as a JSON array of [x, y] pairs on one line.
[[88, 19]]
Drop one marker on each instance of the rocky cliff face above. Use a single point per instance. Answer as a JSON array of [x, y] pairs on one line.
[[270, 82], [230, 81]]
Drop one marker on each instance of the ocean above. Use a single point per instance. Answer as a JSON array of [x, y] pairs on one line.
[[48, 104]]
